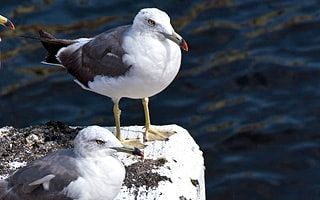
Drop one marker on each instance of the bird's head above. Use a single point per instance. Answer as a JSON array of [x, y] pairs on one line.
[[6, 22], [157, 22], [95, 141]]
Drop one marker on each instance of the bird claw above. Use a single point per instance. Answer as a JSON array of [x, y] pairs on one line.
[[153, 134], [133, 143]]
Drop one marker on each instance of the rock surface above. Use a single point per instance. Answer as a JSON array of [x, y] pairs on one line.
[[172, 169]]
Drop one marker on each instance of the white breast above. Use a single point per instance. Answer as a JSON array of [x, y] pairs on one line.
[[154, 63], [101, 179]]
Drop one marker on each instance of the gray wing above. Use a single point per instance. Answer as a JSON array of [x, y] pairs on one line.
[[100, 56], [58, 168]]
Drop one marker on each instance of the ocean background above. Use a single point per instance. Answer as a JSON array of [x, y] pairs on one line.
[[248, 90]]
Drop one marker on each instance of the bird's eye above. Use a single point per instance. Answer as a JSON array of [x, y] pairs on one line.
[[151, 22], [100, 142]]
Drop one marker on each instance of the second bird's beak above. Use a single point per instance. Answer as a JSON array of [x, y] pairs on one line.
[[177, 39], [133, 151], [6, 22]]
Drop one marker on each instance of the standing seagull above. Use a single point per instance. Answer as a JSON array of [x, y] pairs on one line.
[[89, 171], [135, 61]]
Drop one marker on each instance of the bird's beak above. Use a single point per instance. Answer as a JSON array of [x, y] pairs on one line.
[[175, 37], [129, 150], [6, 22]]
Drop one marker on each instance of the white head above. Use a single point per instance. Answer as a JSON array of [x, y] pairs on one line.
[[95, 141], [156, 22]]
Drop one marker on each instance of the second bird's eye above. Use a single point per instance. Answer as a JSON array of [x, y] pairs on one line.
[[151, 22], [100, 142]]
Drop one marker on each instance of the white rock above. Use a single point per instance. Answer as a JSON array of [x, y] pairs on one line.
[[184, 167], [15, 165]]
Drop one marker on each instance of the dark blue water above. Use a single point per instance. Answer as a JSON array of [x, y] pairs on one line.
[[248, 90]]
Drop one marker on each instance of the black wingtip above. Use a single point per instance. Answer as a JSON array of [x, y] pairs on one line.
[[52, 45], [51, 59], [46, 35]]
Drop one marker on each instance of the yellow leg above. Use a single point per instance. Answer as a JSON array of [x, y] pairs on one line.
[[152, 133], [117, 113], [129, 142], [145, 103]]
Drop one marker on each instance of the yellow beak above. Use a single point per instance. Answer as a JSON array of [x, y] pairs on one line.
[[6, 22]]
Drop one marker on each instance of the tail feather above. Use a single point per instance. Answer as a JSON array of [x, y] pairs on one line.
[[52, 45]]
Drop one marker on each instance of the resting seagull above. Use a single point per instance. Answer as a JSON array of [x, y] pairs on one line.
[[89, 171], [135, 61]]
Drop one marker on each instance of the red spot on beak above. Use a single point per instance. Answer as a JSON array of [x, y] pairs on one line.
[[184, 45], [9, 24], [138, 152]]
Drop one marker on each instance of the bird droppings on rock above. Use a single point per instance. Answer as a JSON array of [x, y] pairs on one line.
[[23, 145], [142, 173]]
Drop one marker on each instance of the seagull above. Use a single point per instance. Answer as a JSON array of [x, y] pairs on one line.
[[6, 22], [88, 171], [134, 61]]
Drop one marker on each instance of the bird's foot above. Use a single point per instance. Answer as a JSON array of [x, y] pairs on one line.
[[153, 134], [132, 143]]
